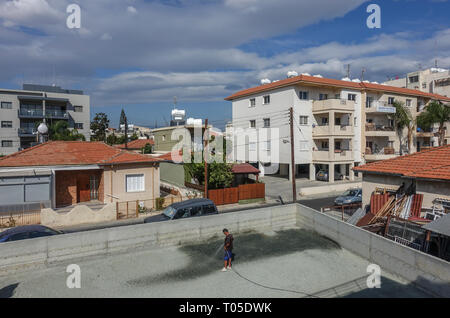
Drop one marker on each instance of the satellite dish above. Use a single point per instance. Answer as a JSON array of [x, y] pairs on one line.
[[43, 129]]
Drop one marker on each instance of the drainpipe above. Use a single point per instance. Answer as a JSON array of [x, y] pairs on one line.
[[111, 175]]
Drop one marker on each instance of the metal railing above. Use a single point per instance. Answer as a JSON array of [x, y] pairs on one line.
[[36, 113], [56, 114], [13, 219]]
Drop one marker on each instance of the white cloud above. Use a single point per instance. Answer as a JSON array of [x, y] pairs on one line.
[[131, 10], [29, 12]]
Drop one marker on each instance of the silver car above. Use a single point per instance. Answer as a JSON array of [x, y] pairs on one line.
[[351, 196]]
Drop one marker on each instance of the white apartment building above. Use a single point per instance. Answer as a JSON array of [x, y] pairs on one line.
[[337, 123], [432, 80], [21, 111]]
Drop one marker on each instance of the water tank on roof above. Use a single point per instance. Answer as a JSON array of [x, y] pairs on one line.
[[356, 80], [346, 79], [318, 75], [306, 74], [193, 121], [292, 74], [178, 114], [265, 81]]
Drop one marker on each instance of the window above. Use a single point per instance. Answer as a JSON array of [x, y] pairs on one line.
[[7, 143], [252, 146], [323, 96], [414, 79], [351, 97], [135, 182], [266, 99], [196, 211], [424, 85], [337, 96], [6, 124], [6, 105], [252, 102], [163, 137], [324, 121], [391, 100], [369, 101], [253, 123], [208, 209], [303, 145], [78, 109], [78, 125], [391, 123], [325, 145], [303, 120], [355, 122], [266, 146], [266, 122], [303, 95], [408, 103]]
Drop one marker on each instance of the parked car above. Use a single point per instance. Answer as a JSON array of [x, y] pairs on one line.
[[26, 232], [322, 175], [185, 209], [349, 197]]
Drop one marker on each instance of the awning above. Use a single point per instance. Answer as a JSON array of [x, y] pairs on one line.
[[440, 226]]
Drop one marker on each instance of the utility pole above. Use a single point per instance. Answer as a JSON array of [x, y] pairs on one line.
[[126, 132], [206, 136], [294, 186], [362, 74], [348, 70]]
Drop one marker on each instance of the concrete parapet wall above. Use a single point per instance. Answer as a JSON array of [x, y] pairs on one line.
[[80, 214], [423, 270], [41, 252]]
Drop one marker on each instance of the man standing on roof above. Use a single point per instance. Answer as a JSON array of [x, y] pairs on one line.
[[228, 247]]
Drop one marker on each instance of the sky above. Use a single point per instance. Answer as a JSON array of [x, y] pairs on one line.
[[139, 54]]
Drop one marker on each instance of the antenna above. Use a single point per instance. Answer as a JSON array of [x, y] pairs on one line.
[[174, 102], [362, 74]]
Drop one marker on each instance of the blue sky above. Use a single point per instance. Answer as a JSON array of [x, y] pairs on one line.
[[139, 54]]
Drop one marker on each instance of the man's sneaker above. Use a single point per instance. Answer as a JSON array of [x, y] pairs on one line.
[[224, 269], [229, 267]]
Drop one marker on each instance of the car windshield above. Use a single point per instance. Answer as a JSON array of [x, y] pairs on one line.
[[350, 193], [169, 212]]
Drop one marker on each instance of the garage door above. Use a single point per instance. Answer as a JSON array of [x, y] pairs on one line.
[[27, 189]]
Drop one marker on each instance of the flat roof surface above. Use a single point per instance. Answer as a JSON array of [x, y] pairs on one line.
[[290, 263]]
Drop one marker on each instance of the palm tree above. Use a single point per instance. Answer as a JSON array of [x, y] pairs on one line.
[[435, 113], [60, 131], [403, 119]]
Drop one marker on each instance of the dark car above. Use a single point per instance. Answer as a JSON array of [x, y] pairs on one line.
[[185, 209], [349, 197], [26, 232], [322, 175]]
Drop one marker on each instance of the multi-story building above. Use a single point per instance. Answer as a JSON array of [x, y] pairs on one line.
[[432, 80], [337, 123], [21, 111]]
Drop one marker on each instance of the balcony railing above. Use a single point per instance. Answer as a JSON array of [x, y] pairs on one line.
[[31, 113], [62, 114], [375, 127], [27, 132], [333, 104]]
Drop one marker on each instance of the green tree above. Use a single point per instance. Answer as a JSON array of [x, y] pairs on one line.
[[147, 149], [403, 119], [219, 175], [435, 113], [112, 139], [60, 130], [122, 118], [99, 125]]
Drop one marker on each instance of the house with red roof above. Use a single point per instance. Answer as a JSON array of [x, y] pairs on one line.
[[63, 173], [338, 124], [428, 171]]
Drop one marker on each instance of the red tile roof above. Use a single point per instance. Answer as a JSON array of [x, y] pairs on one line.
[[333, 82], [137, 144], [57, 153], [430, 164], [246, 168]]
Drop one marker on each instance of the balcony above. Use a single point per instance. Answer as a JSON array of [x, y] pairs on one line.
[[384, 153], [27, 132], [342, 105], [338, 155], [56, 114], [336, 130], [374, 130], [31, 113], [380, 107]]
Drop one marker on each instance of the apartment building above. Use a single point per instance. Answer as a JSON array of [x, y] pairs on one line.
[[21, 111], [433, 80], [338, 124]]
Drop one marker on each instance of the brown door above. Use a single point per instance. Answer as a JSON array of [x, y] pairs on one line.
[[83, 188]]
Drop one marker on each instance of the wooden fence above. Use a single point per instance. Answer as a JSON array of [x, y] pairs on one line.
[[236, 194]]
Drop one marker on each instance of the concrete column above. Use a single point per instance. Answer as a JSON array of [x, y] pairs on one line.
[[331, 172], [312, 172], [331, 117], [331, 148], [343, 168], [352, 173]]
